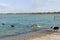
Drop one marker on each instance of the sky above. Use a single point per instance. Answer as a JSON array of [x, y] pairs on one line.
[[14, 6]]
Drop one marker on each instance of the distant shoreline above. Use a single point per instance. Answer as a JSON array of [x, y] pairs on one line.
[[30, 13]]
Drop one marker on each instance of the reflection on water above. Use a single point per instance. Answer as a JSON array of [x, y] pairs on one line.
[[23, 23]]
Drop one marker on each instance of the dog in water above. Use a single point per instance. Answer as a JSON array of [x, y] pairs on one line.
[[55, 28]]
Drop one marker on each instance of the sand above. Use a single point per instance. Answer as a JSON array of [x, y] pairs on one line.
[[46, 35], [31, 36], [54, 36]]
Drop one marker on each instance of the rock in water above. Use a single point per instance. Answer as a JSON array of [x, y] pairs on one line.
[[12, 25], [3, 24]]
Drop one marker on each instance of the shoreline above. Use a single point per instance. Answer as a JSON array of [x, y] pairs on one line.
[[23, 33], [31, 35]]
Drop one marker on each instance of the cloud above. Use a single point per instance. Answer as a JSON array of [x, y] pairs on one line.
[[44, 5], [5, 5], [37, 5], [8, 8], [4, 8], [30, 6]]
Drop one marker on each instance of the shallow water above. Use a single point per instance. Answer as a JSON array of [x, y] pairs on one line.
[[23, 23]]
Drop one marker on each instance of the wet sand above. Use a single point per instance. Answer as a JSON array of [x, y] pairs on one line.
[[31, 36], [54, 36], [45, 35]]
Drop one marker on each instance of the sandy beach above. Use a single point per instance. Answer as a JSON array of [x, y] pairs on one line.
[[54, 36], [46, 35]]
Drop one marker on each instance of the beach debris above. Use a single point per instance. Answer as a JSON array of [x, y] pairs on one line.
[[55, 28]]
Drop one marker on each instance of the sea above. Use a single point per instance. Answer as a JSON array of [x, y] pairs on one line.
[[22, 23]]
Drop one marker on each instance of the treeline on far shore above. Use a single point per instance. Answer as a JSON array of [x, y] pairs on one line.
[[31, 13]]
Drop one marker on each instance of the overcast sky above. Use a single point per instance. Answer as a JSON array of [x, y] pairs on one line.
[[29, 5]]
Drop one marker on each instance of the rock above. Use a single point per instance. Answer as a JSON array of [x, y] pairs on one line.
[[3, 23], [12, 25]]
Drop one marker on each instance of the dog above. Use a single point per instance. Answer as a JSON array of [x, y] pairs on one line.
[[55, 28]]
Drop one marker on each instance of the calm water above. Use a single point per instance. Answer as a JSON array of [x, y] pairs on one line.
[[23, 23]]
